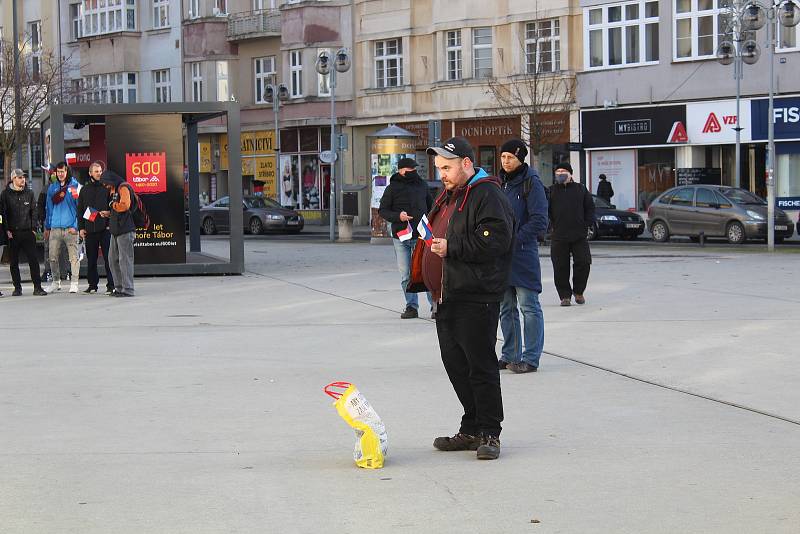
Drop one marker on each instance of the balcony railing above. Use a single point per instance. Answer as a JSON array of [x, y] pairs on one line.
[[254, 24]]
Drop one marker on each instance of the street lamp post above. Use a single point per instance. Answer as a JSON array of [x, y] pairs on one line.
[[746, 17], [17, 103], [341, 63], [276, 94]]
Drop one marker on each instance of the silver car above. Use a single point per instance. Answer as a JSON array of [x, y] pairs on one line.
[[714, 211]]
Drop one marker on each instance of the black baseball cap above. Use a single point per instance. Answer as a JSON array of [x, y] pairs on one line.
[[407, 163], [455, 147]]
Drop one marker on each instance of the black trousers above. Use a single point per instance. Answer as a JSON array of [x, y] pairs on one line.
[[25, 241], [560, 252], [94, 242], [467, 338]]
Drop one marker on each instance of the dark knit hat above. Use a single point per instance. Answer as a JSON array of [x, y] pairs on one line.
[[515, 147], [566, 166]]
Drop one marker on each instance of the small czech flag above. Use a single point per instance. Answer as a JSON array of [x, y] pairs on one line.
[[90, 214], [424, 229], [406, 233], [71, 158]]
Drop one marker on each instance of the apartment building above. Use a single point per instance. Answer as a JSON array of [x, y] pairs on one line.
[[659, 110]]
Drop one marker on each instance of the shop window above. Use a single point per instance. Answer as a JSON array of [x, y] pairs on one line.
[[309, 182], [290, 181], [309, 140], [655, 174], [787, 184], [486, 159], [325, 137], [289, 141]]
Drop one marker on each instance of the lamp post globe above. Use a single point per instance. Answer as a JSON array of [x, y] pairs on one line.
[[789, 14]]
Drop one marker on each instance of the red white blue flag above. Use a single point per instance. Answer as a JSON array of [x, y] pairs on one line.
[[90, 214], [406, 233], [424, 229]]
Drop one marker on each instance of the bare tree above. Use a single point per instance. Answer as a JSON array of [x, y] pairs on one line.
[[543, 94], [40, 75]]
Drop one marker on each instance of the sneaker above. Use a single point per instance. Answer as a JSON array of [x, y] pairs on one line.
[[523, 367], [502, 364], [566, 302], [54, 286], [17, 292], [410, 313], [39, 292], [73, 287], [459, 442], [121, 294], [579, 299], [489, 448], [90, 290]]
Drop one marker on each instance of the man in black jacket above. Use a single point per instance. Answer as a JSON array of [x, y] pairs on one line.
[[571, 213], [18, 208], [467, 270], [604, 189], [93, 214], [403, 203]]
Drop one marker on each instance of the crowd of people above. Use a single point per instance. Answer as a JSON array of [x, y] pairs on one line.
[[477, 258], [96, 217]]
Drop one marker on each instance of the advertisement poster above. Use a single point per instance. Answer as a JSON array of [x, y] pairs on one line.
[[265, 172], [144, 147], [290, 181], [619, 166], [204, 153]]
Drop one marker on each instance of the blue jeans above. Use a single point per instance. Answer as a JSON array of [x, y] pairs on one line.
[[403, 251], [515, 300]]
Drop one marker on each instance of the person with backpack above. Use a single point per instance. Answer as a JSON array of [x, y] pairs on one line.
[[604, 189], [525, 192], [122, 227], [93, 215], [61, 226]]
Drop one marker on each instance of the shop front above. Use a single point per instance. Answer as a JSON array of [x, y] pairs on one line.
[[305, 181], [787, 146], [487, 135]]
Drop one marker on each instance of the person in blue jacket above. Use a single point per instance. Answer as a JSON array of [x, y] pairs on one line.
[[523, 344], [61, 225]]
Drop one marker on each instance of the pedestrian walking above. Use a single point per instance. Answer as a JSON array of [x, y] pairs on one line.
[[123, 232], [604, 189], [466, 268], [571, 214], [93, 216], [61, 226], [18, 217], [403, 204], [526, 194]]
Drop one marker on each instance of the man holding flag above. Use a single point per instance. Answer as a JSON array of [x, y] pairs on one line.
[[466, 264], [406, 199], [93, 214]]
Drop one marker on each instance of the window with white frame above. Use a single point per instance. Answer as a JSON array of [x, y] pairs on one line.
[[194, 8], [619, 35], [113, 88], [481, 52], [264, 75], [162, 89], [107, 16], [697, 25], [196, 73], [160, 14], [296, 73], [454, 54], [542, 46], [264, 4], [76, 27], [223, 87], [324, 81], [388, 63], [76, 91], [220, 7], [35, 39]]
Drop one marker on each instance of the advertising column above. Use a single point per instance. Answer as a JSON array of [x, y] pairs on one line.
[[384, 155]]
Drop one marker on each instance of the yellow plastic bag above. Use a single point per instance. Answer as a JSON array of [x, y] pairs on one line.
[[371, 440]]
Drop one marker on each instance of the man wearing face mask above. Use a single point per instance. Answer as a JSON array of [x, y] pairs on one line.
[[571, 214], [404, 202]]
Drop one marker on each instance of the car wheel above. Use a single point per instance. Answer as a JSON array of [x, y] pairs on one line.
[[256, 226], [660, 231], [591, 232], [208, 226], [735, 233]]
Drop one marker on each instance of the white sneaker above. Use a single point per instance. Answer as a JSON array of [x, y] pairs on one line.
[[73, 287], [54, 286]]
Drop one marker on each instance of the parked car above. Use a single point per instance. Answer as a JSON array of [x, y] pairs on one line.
[[716, 211], [609, 221], [260, 215]]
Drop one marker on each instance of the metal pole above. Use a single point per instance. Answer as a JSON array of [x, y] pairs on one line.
[[771, 130], [738, 73], [17, 103], [276, 106], [60, 58], [332, 200]]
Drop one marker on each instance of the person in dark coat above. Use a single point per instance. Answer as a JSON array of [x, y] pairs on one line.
[[123, 232], [404, 202], [571, 214], [466, 268], [604, 189], [18, 216], [525, 192], [93, 215]]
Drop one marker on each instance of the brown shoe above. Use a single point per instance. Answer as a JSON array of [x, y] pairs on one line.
[[579, 299], [489, 448], [566, 302], [502, 364], [522, 367], [459, 442]]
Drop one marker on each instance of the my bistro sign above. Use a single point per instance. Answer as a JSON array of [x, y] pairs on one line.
[[655, 125]]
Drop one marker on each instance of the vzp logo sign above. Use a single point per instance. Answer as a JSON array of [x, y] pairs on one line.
[[712, 122]]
